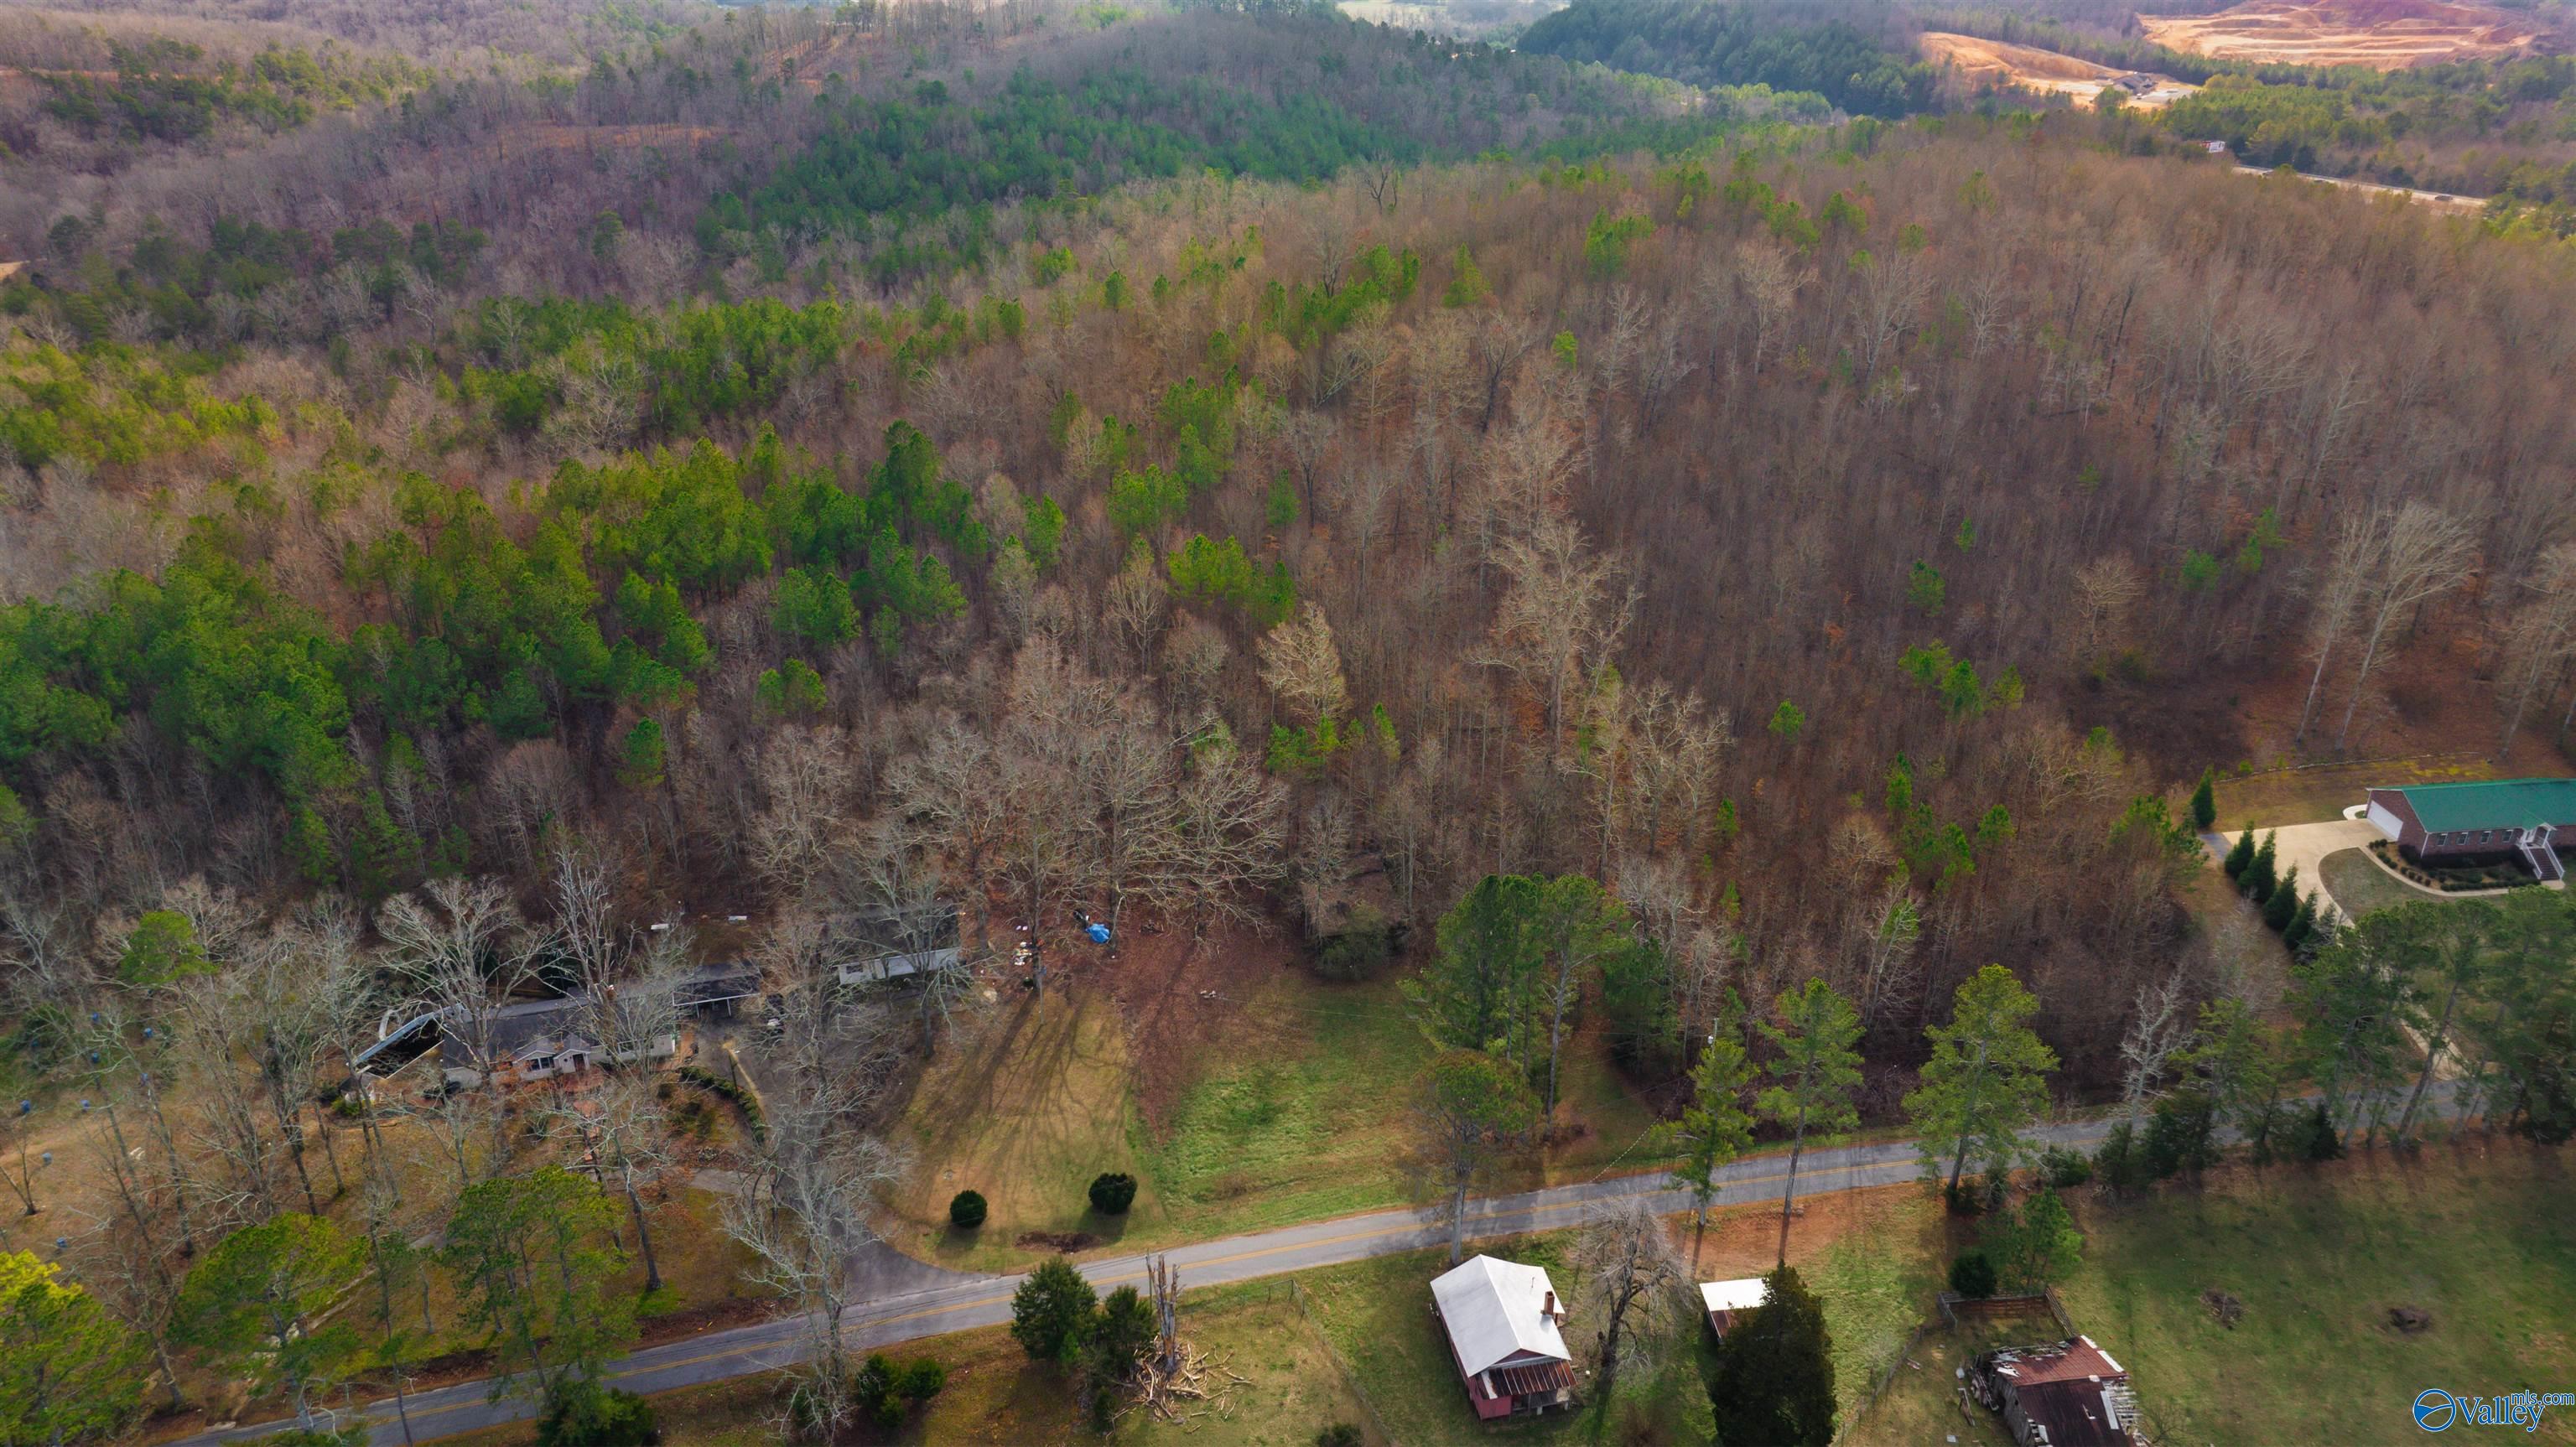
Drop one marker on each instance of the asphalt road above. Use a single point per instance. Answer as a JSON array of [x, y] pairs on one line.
[[899, 1307]]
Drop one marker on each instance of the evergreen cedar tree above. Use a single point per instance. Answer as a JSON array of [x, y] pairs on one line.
[[966, 1210], [2241, 857], [2204, 803], [1773, 1384], [1051, 1312]]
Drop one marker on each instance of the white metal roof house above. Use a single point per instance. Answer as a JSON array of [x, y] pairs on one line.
[[1505, 1329]]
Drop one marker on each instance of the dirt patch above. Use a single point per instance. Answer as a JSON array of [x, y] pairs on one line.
[[1183, 1001], [1745, 1240], [2380, 34], [1062, 1242], [2224, 1307], [1979, 63], [2410, 1320]]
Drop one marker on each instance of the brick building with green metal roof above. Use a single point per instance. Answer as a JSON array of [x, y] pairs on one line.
[[2527, 820]]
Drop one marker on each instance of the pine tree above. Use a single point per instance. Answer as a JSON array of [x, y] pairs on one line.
[[2258, 880], [2283, 906], [2241, 858], [1773, 1385], [2204, 803], [1814, 1077], [1466, 284], [1715, 1130], [1987, 1079]]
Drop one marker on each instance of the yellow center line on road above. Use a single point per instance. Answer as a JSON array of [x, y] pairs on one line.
[[1124, 1278]]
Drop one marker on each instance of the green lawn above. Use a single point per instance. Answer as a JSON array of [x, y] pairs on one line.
[[2477, 1234], [2361, 887], [1306, 1126]]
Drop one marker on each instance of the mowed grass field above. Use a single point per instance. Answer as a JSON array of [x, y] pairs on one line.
[[2475, 1233], [1297, 1118]]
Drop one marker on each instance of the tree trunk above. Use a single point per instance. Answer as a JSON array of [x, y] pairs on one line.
[[2432, 1053], [1789, 1188], [1457, 1217], [643, 1235], [2361, 679]]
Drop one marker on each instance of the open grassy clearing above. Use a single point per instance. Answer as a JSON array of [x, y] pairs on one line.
[[2471, 1232], [2476, 1233], [1290, 1113]]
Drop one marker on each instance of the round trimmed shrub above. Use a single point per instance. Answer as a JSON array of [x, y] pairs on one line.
[[966, 1211], [1112, 1192], [1973, 1275]]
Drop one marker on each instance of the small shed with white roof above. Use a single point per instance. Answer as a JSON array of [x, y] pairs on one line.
[[1726, 1300]]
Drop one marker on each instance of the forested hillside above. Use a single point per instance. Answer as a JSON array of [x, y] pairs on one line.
[[2480, 127], [1859, 56], [1181, 470]]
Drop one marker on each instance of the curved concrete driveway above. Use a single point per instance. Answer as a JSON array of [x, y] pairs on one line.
[[2306, 846]]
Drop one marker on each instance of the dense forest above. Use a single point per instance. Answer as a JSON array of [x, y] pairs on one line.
[[1859, 56], [1166, 469]]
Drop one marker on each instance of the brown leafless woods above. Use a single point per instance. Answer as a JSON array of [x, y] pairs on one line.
[[1834, 599]]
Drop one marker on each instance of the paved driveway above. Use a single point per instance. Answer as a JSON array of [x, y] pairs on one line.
[[2307, 845]]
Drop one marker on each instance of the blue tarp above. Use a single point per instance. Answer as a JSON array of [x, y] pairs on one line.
[[1099, 933]]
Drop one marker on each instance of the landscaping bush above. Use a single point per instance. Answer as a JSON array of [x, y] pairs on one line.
[[966, 1210], [586, 1414], [1112, 1192], [2064, 1166], [1972, 1274], [887, 1393]]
